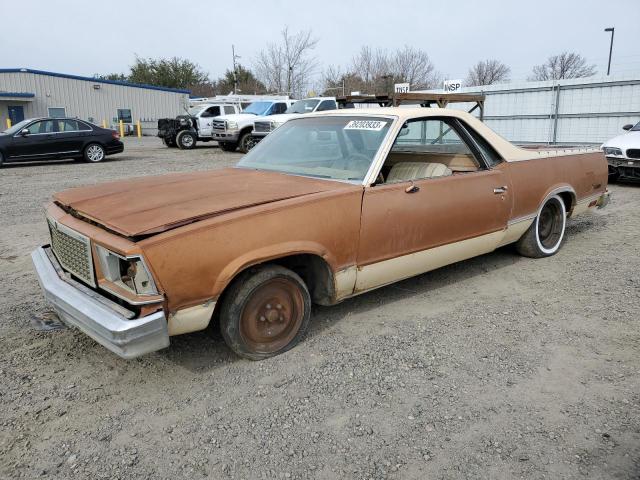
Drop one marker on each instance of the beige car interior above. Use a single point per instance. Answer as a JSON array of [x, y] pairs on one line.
[[427, 158]]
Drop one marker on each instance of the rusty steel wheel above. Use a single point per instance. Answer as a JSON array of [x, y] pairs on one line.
[[265, 312]]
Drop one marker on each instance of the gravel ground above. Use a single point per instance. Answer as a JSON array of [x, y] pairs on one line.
[[497, 367]]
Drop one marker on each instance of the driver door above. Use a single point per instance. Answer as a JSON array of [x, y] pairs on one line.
[[204, 122], [413, 225]]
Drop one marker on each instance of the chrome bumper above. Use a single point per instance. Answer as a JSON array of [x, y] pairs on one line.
[[228, 136], [104, 321]]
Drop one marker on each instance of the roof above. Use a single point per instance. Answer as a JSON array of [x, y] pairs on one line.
[[92, 79], [17, 94], [506, 149]]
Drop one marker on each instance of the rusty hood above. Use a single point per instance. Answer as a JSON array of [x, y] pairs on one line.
[[148, 205]]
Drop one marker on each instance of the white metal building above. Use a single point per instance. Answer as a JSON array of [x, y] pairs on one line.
[[26, 93], [574, 111]]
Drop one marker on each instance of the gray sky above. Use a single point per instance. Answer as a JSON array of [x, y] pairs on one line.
[[87, 37]]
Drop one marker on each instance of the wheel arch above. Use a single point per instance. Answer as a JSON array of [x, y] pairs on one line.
[[566, 193], [313, 265]]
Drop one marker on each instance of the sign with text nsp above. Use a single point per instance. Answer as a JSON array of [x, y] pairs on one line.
[[452, 86]]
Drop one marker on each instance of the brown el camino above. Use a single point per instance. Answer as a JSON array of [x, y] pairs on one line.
[[328, 206]]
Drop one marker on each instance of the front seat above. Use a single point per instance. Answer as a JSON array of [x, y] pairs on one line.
[[404, 171]]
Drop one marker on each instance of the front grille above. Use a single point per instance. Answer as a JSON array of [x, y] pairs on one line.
[[218, 125], [262, 127], [633, 153], [72, 250]]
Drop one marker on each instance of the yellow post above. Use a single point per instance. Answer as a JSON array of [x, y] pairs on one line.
[[104, 124], [121, 129], [139, 129], [8, 123]]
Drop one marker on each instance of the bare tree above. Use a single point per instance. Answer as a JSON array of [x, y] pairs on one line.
[[488, 72], [335, 81], [287, 67], [378, 69], [565, 65], [414, 66]]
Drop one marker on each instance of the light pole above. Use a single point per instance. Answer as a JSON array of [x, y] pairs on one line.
[[612, 30], [235, 69]]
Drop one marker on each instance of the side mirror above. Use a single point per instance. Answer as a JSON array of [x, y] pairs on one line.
[[627, 127], [24, 132]]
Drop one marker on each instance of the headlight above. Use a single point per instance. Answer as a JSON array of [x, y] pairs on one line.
[[232, 125], [612, 151], [275, 125], [129, 273]]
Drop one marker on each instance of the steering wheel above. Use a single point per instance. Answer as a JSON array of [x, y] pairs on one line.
[[356, 162]]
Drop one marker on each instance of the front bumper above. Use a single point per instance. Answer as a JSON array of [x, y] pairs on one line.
[[104, 321], [228, 136], [624, 167]]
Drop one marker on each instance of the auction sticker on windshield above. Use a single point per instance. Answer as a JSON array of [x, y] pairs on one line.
[[374, 125]]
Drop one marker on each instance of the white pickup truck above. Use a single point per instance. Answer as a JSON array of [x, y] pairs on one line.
[[234, 131], [262, 127], [185, 130]]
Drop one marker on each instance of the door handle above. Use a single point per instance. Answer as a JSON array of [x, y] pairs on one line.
[[500, 190], [411, 189]]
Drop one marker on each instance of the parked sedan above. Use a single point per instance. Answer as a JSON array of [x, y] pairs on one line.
[[328, 206], [623, 153], [57, 138]]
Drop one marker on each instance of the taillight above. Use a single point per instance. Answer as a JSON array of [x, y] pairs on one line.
[[115, 135]]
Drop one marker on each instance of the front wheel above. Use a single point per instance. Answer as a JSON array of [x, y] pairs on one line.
[[186, 140], [94, 153], [544, 236], [1, 159], [265, 312], [246, 142]]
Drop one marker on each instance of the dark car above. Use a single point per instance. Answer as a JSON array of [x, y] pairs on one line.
[[57, 138]]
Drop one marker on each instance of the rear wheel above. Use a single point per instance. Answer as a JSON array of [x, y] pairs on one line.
[[228, 146], [1, 159], [265, 312], [544, 236], [186, 140], [94, 153]]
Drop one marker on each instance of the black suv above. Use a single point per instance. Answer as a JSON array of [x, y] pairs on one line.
[[57, 138]]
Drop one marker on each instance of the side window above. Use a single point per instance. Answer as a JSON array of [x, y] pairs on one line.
[[428, 148], [211, 112], [35, 127], [83, 126], [326, 105], [488, 152], [279, 108], [67, 126], [228, 110], [45, 126]]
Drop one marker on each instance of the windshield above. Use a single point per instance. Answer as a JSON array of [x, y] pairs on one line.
[[258, 108], [17, 127], [193, 111], [303, 106], [337, 147], [636, 127]]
